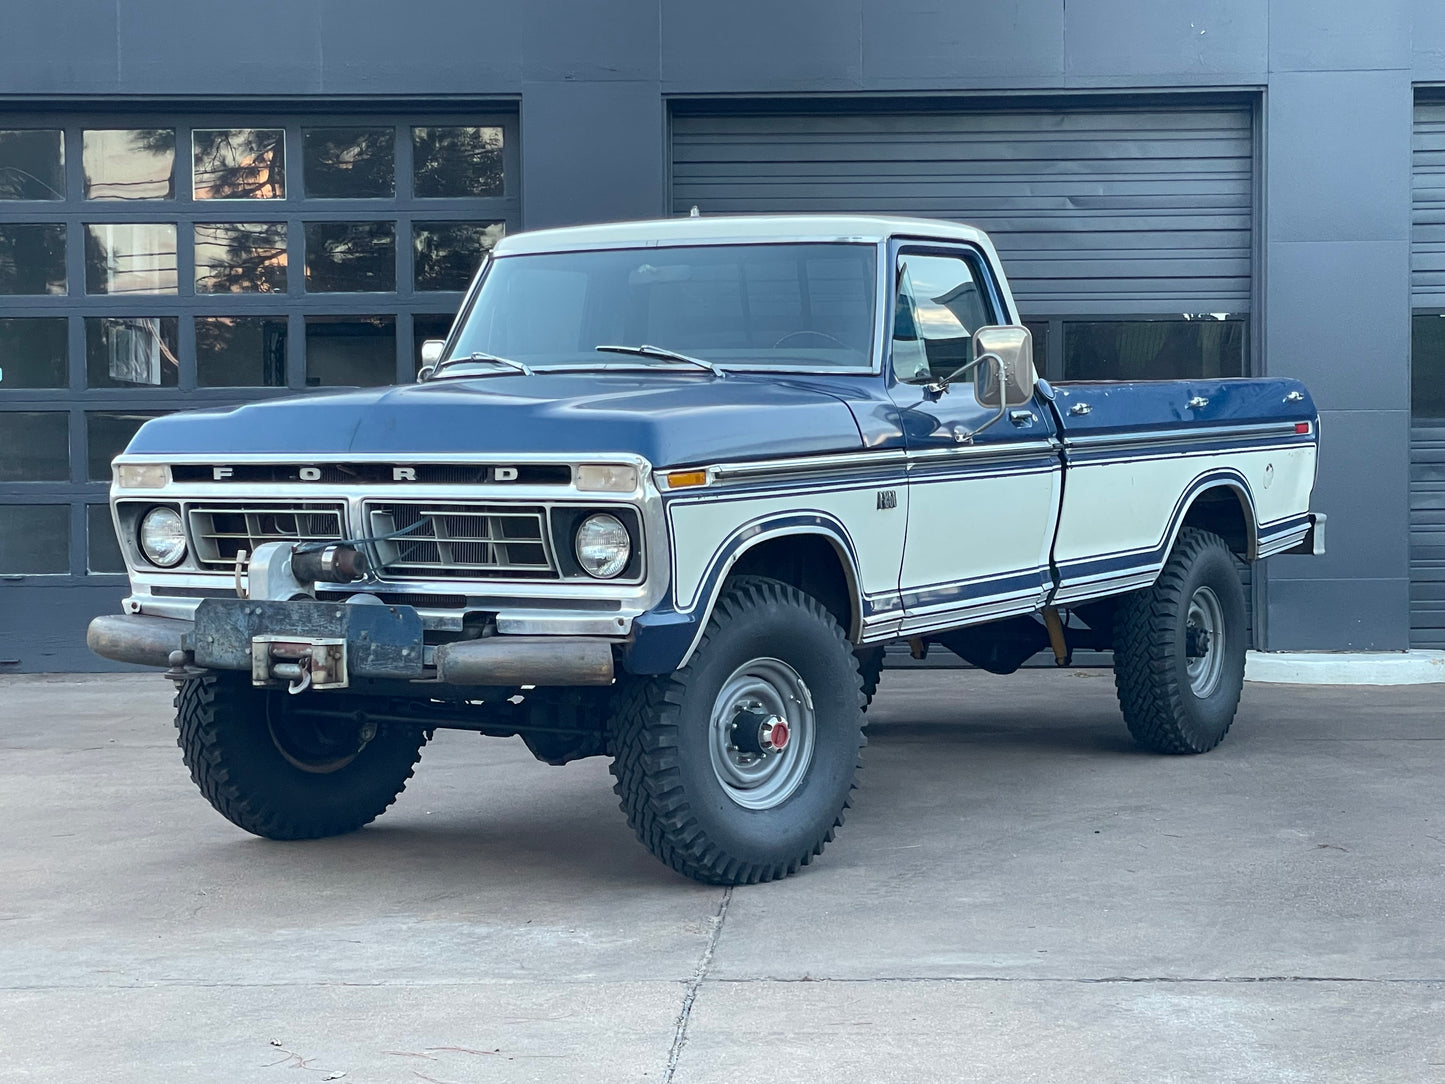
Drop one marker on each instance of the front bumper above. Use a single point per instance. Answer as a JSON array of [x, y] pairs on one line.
[[379, 642]]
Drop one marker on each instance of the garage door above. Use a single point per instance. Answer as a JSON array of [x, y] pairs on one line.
[[1427, 381], [1127, 232], [156, 260], [1096, 211]]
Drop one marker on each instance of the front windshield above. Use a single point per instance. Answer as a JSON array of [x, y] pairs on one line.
[[793, 306]]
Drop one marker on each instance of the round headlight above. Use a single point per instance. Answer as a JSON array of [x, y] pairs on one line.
[[602, 546], [162, 537]]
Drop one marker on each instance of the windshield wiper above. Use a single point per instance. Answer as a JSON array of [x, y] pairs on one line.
[[662, 354], [478, 355]]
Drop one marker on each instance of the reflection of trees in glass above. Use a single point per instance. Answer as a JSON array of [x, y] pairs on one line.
[[350, 256], [448, 253], [241, 351], [349, 163], [134, 164], [32, 258], [32, 164], [239, 163], [241, 257], [451, 162]]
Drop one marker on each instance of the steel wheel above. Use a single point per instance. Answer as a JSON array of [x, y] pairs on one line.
[[315, 745], [1204, 637], [761, 733]]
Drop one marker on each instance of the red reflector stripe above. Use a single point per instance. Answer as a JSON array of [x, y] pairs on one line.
[[1301, 427]]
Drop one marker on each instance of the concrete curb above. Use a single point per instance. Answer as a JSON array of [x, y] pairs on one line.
[[1345, 668]]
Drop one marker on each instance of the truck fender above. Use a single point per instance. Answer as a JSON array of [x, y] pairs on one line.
[[764, 529]]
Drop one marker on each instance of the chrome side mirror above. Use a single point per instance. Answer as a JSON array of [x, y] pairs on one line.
[[1012, 381], [431, 353]]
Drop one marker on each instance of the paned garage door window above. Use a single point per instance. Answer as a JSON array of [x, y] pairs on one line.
[[155, 262]]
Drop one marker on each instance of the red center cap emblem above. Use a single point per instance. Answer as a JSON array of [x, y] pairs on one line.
[[777, 735]]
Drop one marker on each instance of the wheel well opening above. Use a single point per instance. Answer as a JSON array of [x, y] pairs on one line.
[[1223, 511], [808, 562]]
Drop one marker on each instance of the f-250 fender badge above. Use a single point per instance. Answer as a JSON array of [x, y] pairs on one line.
[[887, 498]]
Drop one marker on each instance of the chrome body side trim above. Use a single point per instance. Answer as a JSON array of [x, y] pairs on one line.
[[1217, 434]]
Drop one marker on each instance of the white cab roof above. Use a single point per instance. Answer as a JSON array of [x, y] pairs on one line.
[[723, 229]]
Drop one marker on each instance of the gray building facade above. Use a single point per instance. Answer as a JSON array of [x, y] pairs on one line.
[[208, 204]]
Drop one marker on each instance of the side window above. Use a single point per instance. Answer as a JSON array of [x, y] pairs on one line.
[[941, 303]]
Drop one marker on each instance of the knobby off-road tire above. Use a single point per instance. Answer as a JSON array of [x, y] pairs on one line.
[[870, 667], [715, 815], [273, 774], [1179, 649]]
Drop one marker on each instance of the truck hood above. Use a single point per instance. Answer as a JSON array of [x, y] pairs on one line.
[[671, 419]]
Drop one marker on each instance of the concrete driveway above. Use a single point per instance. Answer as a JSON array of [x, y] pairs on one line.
[[1018, 895]]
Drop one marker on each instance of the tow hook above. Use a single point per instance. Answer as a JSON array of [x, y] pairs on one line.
[[301, 663]]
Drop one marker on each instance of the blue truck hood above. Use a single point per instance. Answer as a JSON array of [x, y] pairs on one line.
[[672, 419]]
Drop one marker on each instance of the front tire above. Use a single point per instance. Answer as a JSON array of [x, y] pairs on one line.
[[269, 768], [698, 775], [1179, 649]]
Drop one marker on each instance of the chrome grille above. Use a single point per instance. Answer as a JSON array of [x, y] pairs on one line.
[[462, 541], [220, 530]]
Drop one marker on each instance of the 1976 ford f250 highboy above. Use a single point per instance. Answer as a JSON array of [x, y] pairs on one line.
[[663, 495]]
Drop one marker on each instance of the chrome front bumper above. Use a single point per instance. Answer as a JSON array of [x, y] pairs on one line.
[[380, 642]]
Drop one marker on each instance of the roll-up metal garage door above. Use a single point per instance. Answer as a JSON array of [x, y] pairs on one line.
[[1122, 214], [1118, 210], [1427, 429]]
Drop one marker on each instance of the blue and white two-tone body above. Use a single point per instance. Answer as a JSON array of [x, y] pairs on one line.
[[629, 420]]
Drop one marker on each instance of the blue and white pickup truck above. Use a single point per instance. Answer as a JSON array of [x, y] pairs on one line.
[[663, 495]]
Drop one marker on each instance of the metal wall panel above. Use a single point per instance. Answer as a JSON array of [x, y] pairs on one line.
[[1119, 210], [1427, 435]]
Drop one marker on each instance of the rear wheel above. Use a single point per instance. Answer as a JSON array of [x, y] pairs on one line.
[[1179, 649], [273, 767], [738, 767]]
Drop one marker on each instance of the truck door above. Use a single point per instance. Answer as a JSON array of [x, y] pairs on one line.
[[981, 510]]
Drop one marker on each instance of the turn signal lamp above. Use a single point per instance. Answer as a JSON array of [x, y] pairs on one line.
[[684, 479], [142, 475], [606, 478]]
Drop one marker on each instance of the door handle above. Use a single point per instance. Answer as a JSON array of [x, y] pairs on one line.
[[1021, 417], [1198, 402], [1080, 409]]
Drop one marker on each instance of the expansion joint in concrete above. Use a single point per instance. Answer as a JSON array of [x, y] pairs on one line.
[[679, 1033], [1103, 980]]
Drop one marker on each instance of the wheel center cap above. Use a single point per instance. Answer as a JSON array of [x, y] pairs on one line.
[[758, 732], [773, 735]]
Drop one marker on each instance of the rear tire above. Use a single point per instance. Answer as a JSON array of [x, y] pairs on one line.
[[692, 789], [268, 768], [1179, 649]]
